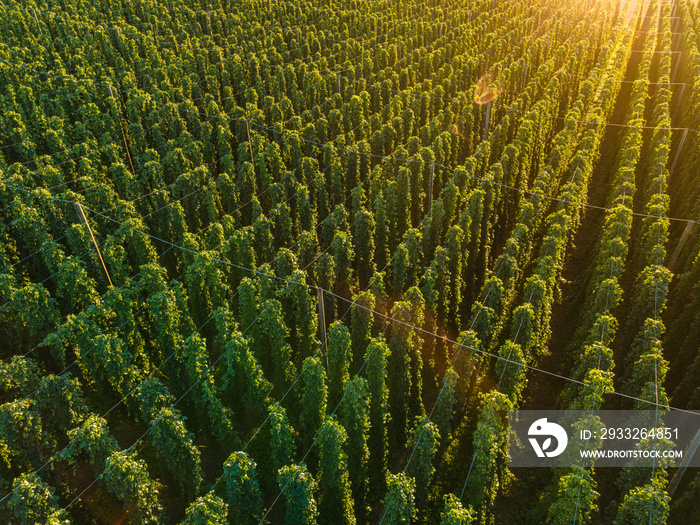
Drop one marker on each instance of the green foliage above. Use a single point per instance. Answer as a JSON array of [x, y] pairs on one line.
[[404, 365], [364, 246], [242, 490], [213, 415], [152, 396], [272, 337], [576, 498], [339, 360], [33, 501], [454, 513], [127, 478], [206, 286], [304, 321], [444, 408], [217, 157], [399, 502], [648, 504], [597, 382], [206, 510], [298, 487], [243, 378], [424, 445], [92, 437], [490, 442], [174, 446], [21, 433], [282, 444], [19, 376], [361, 326], [35, 309], [313, 400], [335, 501], [510, 370], [377, 356], [356, 421]]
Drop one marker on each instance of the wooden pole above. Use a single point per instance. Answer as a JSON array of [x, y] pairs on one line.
[[126, 146], [681, 243], [678, 153], [322, 322], [430, 194], [687, 457], [678, 102], [674, 17], [675, 67], [250, 145], [36, 19], [486, 125], [83, 220]]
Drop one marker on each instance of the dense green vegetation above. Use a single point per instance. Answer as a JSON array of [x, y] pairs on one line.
[[325, 273]]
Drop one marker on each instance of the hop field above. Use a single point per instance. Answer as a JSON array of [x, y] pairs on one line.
[[274, 262]]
